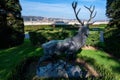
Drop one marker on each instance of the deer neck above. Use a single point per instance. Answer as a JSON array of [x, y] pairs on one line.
[[80, 37], [83, 30]]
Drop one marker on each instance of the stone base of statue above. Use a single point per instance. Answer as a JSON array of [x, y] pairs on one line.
[[60, 69]]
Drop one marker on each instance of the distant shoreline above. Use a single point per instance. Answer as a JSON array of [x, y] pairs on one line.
[[63, 23]]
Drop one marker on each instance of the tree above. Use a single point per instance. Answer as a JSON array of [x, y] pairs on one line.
[[113, 12], [112, 32], [12, 27]]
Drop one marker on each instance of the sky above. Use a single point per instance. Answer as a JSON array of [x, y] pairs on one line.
[[62, 8]]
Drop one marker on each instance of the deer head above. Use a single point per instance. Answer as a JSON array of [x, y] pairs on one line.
[[91, 9]]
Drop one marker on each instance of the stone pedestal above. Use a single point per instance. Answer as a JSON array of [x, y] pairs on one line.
[[60, 69]]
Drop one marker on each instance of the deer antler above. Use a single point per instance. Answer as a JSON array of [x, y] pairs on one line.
[[74, 5], [91, 9]]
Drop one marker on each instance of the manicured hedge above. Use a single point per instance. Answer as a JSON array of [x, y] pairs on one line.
[[40, 37], [93, 38]]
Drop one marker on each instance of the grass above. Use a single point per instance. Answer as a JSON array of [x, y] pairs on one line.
[[9, 58], [49, 27], [104, 59], [100, 26]]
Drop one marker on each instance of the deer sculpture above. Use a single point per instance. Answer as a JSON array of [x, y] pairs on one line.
[[71, 45]]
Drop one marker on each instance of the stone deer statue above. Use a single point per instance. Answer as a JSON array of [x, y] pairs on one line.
[[69, 46]]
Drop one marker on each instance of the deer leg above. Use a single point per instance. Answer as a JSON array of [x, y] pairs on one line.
[[71, 53]]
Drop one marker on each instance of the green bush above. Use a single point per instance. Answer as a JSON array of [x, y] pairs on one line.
[[93, 39], [33, 38], [38, 38], [42, 36], [112, 40]]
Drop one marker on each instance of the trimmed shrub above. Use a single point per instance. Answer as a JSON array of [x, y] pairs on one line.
[[93, 38], [38, 38], [33, 38]]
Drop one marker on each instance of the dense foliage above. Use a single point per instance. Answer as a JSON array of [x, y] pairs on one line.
[[113, 12], [11, 23], [112, 31], [112, 40]]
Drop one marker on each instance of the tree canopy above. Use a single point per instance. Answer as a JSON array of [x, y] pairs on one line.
[[12, 27], [113, 12], [112, 32]]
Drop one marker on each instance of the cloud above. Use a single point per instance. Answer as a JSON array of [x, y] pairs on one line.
[[60, 10], [38, 8]]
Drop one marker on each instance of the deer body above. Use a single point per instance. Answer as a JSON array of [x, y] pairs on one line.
[[69, 46]]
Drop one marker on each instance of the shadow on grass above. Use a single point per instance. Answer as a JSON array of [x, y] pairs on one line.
[[88, 59], [9, 58], [115, 64], [111, 62]]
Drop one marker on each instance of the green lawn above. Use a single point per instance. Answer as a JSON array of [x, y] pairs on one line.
[[104, 59], [9, 58], [102, 26]]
